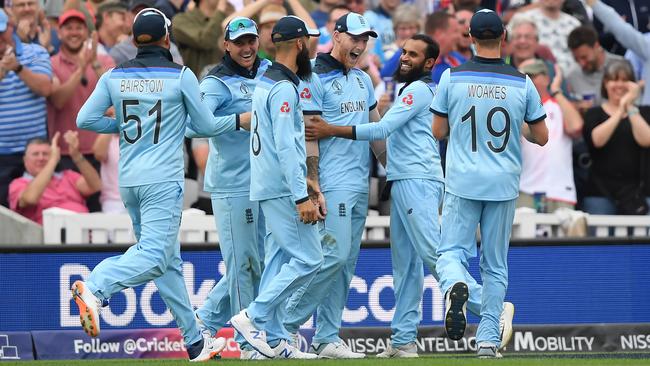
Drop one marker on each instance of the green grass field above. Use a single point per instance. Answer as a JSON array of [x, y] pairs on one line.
[[609, 359]]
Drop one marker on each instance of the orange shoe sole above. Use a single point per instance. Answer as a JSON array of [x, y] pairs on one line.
[[89, 321]]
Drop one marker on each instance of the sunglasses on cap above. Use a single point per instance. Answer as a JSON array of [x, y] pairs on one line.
[[238, 24]]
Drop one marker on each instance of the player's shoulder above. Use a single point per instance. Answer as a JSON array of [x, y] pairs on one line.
[[222, 72], [477, 71], [424, 84], [153, 66], [326, 66]]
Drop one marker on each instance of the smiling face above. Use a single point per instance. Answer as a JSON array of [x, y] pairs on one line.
[[348, 48], [243, 50], [587, 57], [464, 17], [36, 157], [73, 33], [25, 9], [413, 61], [616, 87], [524, 41]]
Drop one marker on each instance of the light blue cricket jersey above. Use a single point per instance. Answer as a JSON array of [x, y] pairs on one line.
[[152, 97], [412, 150], [228, 91], [277, 138], [486, 102], [343, 99]]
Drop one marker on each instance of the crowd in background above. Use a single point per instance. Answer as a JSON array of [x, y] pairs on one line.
[[587, 59]]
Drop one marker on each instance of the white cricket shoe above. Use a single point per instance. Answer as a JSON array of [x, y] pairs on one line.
[[409, 350], [205, 332], [255, 337], [335, 350], [488, 350], [505, 323], [456, 316], [251, 354], [210, 349], [89, 308], [286, 350]]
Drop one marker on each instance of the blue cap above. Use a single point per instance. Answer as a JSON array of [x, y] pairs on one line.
[[240, 26], [354, 24], [4, 19], [291, 27], [150, 25], [485, 24]]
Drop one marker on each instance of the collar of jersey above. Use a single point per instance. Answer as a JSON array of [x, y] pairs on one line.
[[239, 69], [485, 60], [330, 61], [154, 51], [290, 75]]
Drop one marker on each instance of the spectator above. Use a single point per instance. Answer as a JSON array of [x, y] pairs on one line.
[[322, 14], [634, 12], [169, 7], [76, 69], [464, 43], [356, 6], [524, 43], [268, 17], [41, 187], [617, 135], [126, 50], [636, 60], [25, 81], [107, 151], [111, 25], [32, 25], [586, 77], [199, 33], [553, 28], [407, 23], [549, 169], [89, 8], [325, 40], [445, 30], [627, 36], [380, 19]]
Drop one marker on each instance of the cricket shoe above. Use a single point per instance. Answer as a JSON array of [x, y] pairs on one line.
[[335, 350], [89, 308], [285, 350], [456, 317], [409, 350], [206, 349], [505, 323], [251, 354], [488, 350], [255, 337]]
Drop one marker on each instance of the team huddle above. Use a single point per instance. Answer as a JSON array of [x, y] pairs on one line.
[[288, 177]]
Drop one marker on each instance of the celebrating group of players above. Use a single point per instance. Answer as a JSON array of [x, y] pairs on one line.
[[290, 213]]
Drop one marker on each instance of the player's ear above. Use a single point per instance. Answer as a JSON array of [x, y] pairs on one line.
[[429, 63]]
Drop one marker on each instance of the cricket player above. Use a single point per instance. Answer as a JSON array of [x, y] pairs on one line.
[[228, 90], [278, 181], [416, 182], [484, 106], [341, 95], [152, 97]]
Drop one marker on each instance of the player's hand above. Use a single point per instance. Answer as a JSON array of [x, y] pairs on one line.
[[23, 28], [245, 121], [317, 197], [9, 61], [308, 212], [384, 103], [316, 128], [44, 31]]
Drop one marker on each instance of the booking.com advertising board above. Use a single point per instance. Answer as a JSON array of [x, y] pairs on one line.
[[569, 284]]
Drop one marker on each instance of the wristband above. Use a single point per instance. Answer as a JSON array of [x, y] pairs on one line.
[[632, 110]]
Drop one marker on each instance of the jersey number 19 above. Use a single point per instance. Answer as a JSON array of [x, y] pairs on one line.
[[505, 132]]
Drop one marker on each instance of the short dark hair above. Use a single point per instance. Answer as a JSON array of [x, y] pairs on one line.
[[583, 35], [613, 71], [37, 141], [432, 50], [439, 20]]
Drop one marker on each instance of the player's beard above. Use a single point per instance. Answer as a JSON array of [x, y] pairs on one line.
[[304, 65], [414, 74]]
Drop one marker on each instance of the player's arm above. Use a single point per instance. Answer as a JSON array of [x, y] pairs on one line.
[[534, 128], [201, 120], [215, 95], [282, 101], [91, 115], [440, 108]]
